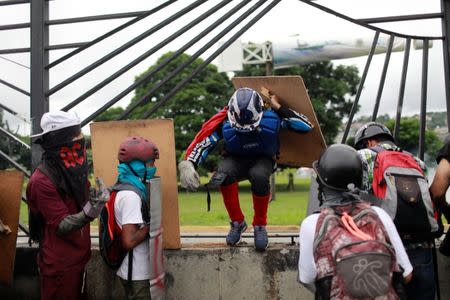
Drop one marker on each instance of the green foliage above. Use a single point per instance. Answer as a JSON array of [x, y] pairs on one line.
[[436, 119], [13, 149], [329, 87], [409, 137], [198, 101], [110, 115]]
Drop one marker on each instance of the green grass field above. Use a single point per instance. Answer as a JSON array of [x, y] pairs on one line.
[[289, 208]]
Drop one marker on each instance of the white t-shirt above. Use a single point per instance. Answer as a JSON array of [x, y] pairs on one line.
[[127, 210], [306, 265]]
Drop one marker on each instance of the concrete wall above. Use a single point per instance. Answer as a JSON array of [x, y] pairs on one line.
[[216, 273], [200, 273]]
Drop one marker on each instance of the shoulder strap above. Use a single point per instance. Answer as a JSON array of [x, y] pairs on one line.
[[130, 268], [130, 187], [119, 186], [377, 149]]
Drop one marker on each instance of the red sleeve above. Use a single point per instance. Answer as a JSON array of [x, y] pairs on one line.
[[44, 198]]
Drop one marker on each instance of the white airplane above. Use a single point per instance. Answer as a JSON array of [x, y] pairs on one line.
[[293, 51]]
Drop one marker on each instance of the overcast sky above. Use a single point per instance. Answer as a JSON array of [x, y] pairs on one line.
[[289, 18]]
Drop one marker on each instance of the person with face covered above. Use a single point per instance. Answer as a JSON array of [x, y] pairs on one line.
[[135, 169], [62, 206], [250, 135]]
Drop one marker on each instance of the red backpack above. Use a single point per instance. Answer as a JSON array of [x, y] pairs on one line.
[[353, 265], [400, 182], [110, 239]]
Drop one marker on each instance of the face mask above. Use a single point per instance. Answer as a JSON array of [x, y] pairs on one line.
[[68, 169]]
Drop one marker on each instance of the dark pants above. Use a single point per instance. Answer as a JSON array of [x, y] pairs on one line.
[[136, 289], [67, 286], [422, 286], [256, 169]]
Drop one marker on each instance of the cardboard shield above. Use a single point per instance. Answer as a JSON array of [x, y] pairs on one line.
[[296, 149], [11, 183], [106, 138]]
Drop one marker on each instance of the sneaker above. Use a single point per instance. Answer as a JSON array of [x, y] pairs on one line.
[[234, 236], [261, 240]]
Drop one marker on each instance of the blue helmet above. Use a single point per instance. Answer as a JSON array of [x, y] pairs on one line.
[[245, 109]]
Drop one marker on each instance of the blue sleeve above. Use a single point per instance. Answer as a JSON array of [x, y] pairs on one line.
[[202, 149], [292, 120]]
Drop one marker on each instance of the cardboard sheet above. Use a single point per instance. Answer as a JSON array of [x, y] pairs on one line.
[[11, 183], [106, 138], [296, 149]]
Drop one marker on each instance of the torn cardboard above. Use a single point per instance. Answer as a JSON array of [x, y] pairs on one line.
[[296, 149]]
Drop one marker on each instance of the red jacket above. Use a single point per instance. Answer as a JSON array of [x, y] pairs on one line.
[[57, 253]]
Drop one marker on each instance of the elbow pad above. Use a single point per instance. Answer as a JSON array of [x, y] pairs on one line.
[[72, 223]]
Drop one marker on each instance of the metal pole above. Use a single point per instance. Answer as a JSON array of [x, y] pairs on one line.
[[207, 61], [360, 87], [39, 75], [402, 89], [14, 87], [124, 47], [383, 78], [161, 65], [109, 33], [423, 100], [273, 190], [445, 6], [146, 54], [401, 18]]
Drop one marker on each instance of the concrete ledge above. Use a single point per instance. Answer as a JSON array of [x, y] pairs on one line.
[[212, 272], [234, 273], [216, 273]]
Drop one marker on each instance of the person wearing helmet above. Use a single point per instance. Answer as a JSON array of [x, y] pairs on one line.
[[136, 167], [61, 206], [251, 145], [339, 175], [370, 140]]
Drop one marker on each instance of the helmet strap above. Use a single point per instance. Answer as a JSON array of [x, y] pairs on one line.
[[136, 174]]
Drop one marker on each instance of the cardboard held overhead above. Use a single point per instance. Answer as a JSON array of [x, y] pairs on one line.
[[296, 149], [106, 138], [11, 183]]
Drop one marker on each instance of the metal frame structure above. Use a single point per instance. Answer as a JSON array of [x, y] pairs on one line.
[[248, 11]]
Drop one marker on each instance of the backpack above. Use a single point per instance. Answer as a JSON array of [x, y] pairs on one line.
[[400, 182], [353, 254], [110, 240]]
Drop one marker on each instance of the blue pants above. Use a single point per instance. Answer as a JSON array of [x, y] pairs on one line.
[[422, 286]]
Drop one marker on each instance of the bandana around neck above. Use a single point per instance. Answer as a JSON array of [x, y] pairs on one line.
[[136, 173]]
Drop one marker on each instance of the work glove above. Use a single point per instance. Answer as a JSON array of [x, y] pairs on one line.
[[189, 177], [98, 198]]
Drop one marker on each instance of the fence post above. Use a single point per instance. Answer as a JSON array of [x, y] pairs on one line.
[[39, 12]]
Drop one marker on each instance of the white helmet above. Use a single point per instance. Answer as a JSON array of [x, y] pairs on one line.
[[245, 109]]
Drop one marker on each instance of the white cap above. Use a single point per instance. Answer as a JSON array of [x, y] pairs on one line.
[[52, 121]]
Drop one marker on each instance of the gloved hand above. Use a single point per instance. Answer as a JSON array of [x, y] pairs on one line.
[[99, 197], [189, 177]]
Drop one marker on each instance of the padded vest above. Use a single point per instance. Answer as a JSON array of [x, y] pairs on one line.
[[261, 141]]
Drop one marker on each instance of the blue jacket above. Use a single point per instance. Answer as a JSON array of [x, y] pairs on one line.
[[262, 141]]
